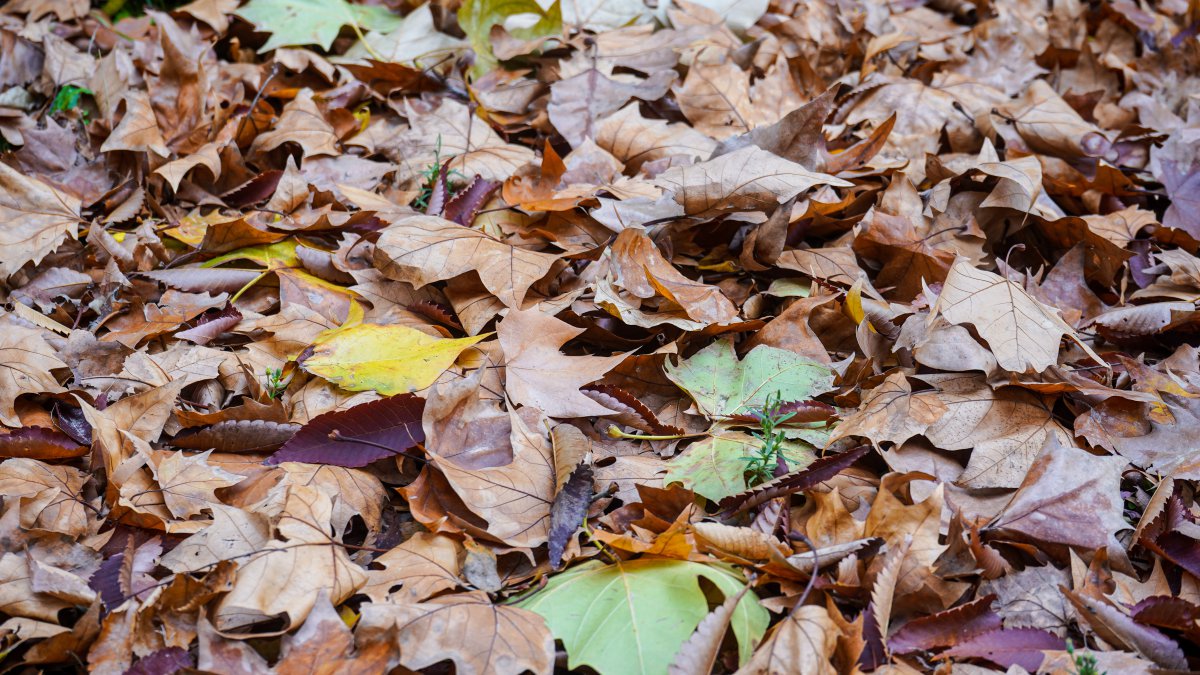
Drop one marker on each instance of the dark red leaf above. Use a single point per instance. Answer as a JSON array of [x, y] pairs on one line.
[[873, 654], [70, 421], [257, 189], [568, 510], [1169, 612], [819, 471], [803, 412], [162, 662], [39, 443], [946, 629], [1007, 647], [465, 205], [630, 411], [209, 325], [238, 436], [393, 423]]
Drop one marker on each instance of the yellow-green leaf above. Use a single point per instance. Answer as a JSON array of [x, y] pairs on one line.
[[476, 17], [389, 359], [271, 256]]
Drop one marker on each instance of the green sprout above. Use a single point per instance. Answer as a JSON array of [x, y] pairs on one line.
[[67, 98], [1085, 663], [276, 384], [429, 177], [760, 467]]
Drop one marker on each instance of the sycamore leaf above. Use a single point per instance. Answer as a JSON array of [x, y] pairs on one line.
[[715, 467], [423, 249], [721, 385], [632, 617], [388, 359], [25, 363], [393, 422], [479, 637], [37, 218], [313, 22], [1022, 332], [805, 641], [538, 374]]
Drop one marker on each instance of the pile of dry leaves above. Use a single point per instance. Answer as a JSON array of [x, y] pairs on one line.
[[689, 337]]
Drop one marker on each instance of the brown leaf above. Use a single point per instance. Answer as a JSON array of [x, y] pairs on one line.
[[37, 219], [432, 631]]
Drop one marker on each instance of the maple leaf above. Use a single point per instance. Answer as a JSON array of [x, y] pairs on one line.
[[37, 219], [303, 22]]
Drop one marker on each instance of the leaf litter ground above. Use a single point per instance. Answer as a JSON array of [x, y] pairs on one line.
[[757, 336]]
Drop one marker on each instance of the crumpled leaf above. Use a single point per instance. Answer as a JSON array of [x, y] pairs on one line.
[[37, 219]]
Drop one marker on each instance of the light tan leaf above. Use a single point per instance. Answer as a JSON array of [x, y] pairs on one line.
[[138, 130], [748, 179], [423, 566], [639, 267], [537, 374], [437, 630], [25, 363], [636, 140], [302, 123], [287, 577], [37, 219], [48, 497], [802, 644], [423, 249], [188, 483], [514, 498], [1023, 333]]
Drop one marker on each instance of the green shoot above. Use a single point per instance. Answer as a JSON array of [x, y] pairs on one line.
[[429, 177], [1085, 662], [276, 384], [67, 98], [760, 467]]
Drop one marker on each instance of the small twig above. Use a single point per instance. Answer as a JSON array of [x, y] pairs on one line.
[[812, 578]]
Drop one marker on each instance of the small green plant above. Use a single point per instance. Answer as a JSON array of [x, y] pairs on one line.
[[276, 384], [429, 177], [760, 467], [67, 98], [1085, 662]]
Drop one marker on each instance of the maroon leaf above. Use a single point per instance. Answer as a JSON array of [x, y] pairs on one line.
[[568, 510], [946, 629], [631, 411], [39, 443], [873, 654], [465, 205], [209, 325], [257, 189], [70, 421], [1007, 647], [819, 471], [439, 193], [365, 433], [238, 436], [1169, 612], [162, 662], [803, 412]]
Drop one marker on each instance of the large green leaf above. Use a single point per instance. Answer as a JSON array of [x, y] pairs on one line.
[[476, 18], [721, 385], [630, 618], [715, 468], [313, 22]]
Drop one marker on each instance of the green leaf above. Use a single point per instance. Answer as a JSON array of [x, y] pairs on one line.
[[271, 256], [721, 385], [630, 618], [476, 18], [715, 467], [313, 22]]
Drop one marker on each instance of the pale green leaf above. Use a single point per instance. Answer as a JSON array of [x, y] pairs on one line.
[[476, 18], [715, 467], [313, 22], [721, 385], [630, 618]]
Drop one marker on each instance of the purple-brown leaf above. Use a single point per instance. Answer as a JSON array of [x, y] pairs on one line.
[[364, 434]]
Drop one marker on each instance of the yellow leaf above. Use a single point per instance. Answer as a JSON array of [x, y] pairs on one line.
[[271, 256], [388, 359]]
